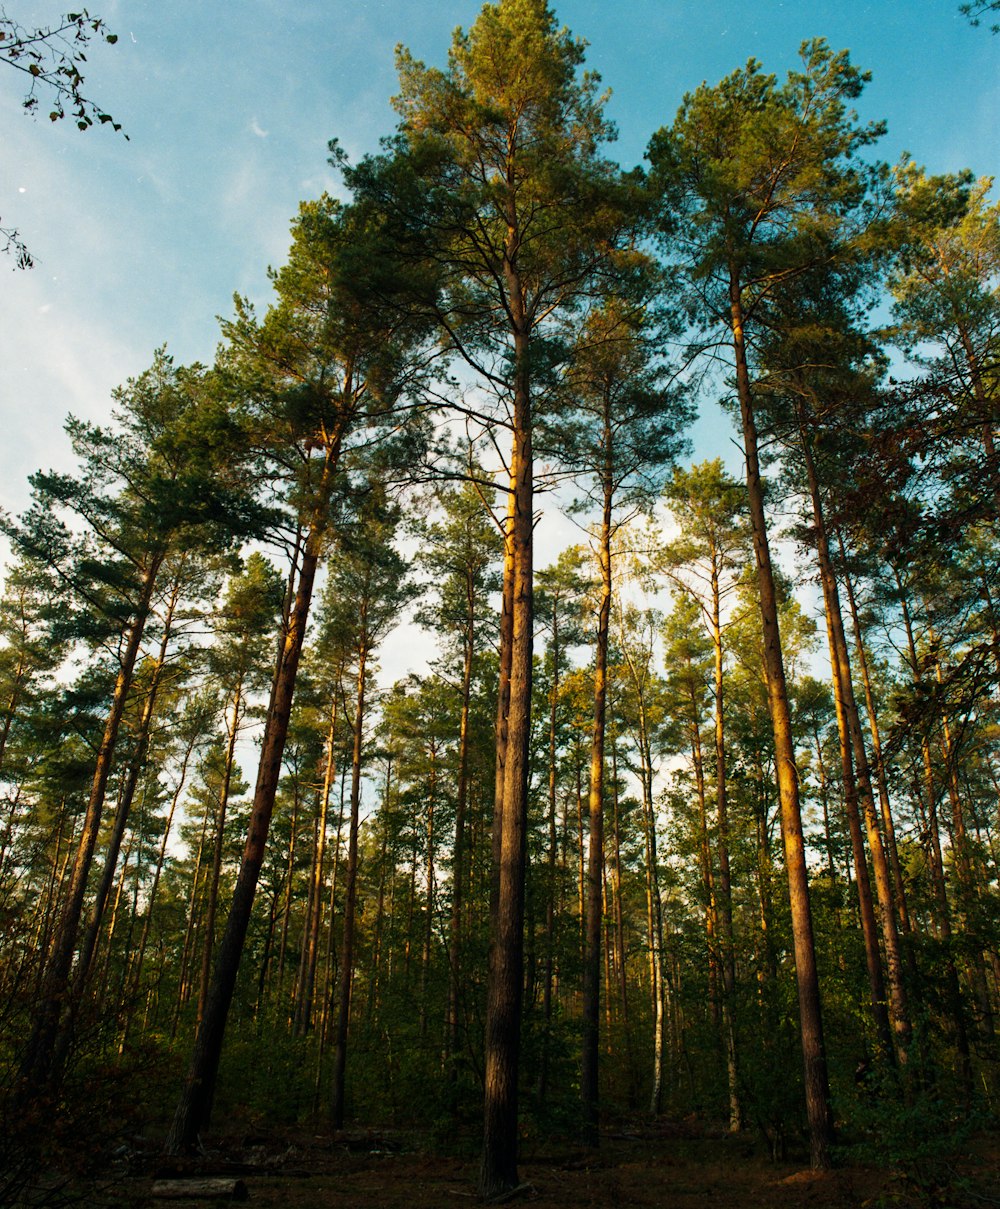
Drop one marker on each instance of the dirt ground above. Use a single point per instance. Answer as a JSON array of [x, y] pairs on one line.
[[666, 1166]]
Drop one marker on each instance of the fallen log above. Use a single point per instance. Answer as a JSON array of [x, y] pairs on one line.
[[203, 1189]]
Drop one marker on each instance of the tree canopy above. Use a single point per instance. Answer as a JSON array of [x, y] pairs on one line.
[[628, 838]]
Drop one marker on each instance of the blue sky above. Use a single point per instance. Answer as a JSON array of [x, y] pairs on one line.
[[229, 108]]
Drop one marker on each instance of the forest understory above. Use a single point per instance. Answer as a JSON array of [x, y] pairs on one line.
[[686, 1165]]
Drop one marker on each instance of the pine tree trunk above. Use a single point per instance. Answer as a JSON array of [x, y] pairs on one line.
[[768, 963], [654, 911], [506, 649], [42, 918], [286, 914], [621, 965], [724, 895], [136, 765], [498, 1169], [195, 1105], [862, 882], [581, 848], [852, 741], [300, 969], [184, 975], [817, 1088], [265, 960], [553, 855], [36, 1070], [459, 853], [103, 972], [704, 856], [964, 872], [375, 995], [888, 823], [331, 932], [160, 859], [208, 940], [936, 861], [307, 979], [589, 1071], [824, 798], [425, 957], [338, 1099]]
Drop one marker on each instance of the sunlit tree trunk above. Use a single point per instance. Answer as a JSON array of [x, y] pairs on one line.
[[843, 694], [589, 1086], [553, 853], [85, 956], [817, 1088], [307, 980], [195, 1105], [724, 897], [620, 948], [36, 1069], [505, 649], [888, 823], [498, 1169]]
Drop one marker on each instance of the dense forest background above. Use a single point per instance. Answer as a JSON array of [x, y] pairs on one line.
[[695, 816]]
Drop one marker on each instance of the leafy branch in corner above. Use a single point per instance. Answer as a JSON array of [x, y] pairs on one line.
[[51, 56], [975, 11]]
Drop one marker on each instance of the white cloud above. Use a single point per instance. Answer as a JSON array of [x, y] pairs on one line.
[[56, 363]]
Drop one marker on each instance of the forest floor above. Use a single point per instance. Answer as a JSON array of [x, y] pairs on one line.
[[668, 1165]]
